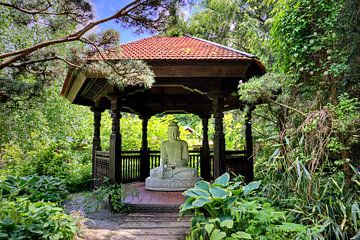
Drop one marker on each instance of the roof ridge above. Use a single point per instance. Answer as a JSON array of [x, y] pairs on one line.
[[222, 46], [138, 40]]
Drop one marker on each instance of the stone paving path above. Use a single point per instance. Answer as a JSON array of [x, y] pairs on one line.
[[147, 226], [151, 220]]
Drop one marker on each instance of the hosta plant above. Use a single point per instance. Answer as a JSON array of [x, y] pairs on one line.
[[22, 219], [35, 188], [230, 210]]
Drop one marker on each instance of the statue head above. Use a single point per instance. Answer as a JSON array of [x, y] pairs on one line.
[[173, 131]]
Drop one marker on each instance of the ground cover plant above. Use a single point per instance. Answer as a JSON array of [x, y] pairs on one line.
[[30, 209], [112, 194], [230, 209]]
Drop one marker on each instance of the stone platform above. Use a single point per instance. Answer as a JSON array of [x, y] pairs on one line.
[[141, 199]]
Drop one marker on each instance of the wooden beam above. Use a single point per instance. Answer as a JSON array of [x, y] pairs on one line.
[[249, 148], [145, 156], [200, 70], [74, 87], [115, 140], [219, 137], [96, 138], [205, 150]]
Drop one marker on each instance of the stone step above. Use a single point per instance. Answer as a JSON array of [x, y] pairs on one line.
[[157, 217], [153, 224], [153, 214], [153, 207], [138, 234], [150, 219]]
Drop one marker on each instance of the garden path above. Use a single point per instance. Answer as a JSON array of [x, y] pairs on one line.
[[148, 223]]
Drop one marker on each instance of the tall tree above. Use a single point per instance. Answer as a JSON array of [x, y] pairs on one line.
[[241, 24], [38, 32]]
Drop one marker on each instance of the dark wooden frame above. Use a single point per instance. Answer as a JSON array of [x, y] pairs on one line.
[[202, 87]]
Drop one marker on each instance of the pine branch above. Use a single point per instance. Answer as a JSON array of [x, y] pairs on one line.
[[45, 60], [85, 40], [16, 55], [23, 10]]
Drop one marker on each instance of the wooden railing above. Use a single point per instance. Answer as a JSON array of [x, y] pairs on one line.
[[194, 159], [235, 162], [102, 160], [131, 163], [130, 166]]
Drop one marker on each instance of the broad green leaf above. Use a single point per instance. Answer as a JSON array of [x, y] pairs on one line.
[[241, 235], [235, 185], [186, 206], [4, 235], [209, 227], [195, 192], [236, 192], [200, 201], [217, 235], [213, 220], [223, 180], [218, 192], [230, 201], [203, 185], [251, 186], [226, 222], [7, 221]]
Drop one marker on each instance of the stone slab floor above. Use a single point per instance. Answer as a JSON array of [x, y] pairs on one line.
[[155, 217]]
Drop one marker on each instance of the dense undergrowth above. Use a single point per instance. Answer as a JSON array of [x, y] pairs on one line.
[[228, 209], [30, 209]]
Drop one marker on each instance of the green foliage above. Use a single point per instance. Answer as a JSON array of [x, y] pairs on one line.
[[261, 89], [346, 118], [29, 209], [47, 136], [241, 24], [122, 74], [31, 74], [35, 188], [112, 193], [316, 200], [230, 210], [305, 42], [23, 219]]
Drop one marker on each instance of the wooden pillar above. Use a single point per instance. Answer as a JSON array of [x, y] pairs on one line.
[[249, 148], [145, 156], [115, 141], [205, 150], [96, 137], [219, 137]]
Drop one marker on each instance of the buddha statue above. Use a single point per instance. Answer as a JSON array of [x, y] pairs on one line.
[[173, 174]]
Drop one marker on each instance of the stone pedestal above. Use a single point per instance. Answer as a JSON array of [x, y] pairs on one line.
[[169, 184]]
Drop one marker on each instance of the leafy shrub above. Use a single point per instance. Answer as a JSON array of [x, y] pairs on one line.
[[22, 219], [80, 178], [108, 193], [227, 209], [321, 199], [35, 188]]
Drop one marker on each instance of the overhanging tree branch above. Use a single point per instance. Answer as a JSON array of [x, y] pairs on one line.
[[288, 107], [23, 10], [56, 58], [16, 55]]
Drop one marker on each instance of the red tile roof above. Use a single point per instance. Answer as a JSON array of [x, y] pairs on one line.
[[174, 48]]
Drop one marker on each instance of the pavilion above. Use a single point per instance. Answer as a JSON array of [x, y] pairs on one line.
[[192, 75]]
